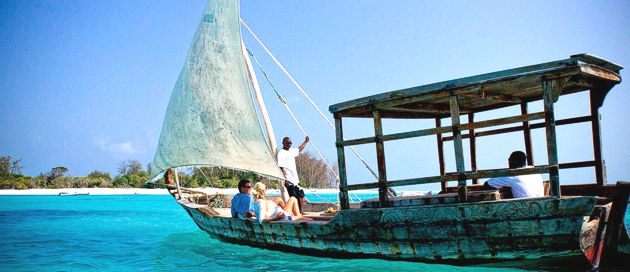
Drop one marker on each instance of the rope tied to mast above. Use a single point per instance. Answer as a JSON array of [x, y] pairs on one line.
[[286, 105], [356, 153]]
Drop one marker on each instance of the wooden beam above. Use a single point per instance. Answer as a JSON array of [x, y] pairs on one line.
[[398, 136], [568, 165], [459, 150], [567, 121], [504, 121], [380, 158], [527, 136], [549, 97], [344, 201], [439, 130], [419, 107], [614, 226], [440, 149], [179, 192], [494, 97], [441, 89], [492, 173], [473, 146], [596, 103]]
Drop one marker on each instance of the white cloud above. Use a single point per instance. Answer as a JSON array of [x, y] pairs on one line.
[[119, 149]]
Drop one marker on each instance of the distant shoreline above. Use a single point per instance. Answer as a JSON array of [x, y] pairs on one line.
[[144, 191]]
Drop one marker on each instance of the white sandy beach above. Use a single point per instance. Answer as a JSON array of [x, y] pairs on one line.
[[142, 191]]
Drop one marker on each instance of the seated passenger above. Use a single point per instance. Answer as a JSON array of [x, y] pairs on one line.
[[242, 203], [522, 186], [267, 210]]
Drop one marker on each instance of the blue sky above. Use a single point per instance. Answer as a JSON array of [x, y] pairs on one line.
[[85, 84]]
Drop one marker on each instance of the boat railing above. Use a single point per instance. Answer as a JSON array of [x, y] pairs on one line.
[[467, 96]]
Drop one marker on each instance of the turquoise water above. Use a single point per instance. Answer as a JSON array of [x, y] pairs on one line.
[[142, 233]]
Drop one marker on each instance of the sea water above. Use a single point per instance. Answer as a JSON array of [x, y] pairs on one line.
[[144, 233]]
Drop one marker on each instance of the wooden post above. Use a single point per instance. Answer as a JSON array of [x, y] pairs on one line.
[[459, 150], [614, 226], [596, 103], [440, 149], [473, 146], [259, 99], [179, 193], [380, 158], [550, 97], [527, 136], [344, 201], [271, 136]]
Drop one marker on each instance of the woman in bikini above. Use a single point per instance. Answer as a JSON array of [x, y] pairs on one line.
[[267, 210]]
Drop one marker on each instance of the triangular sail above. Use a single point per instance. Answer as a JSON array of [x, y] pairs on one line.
[[211, 119]]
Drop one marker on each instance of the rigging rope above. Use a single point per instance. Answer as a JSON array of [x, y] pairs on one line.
[[284, 102], [204, 175], [304, 93]]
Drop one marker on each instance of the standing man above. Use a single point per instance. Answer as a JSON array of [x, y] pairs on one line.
[[243, 204], [286, 162]]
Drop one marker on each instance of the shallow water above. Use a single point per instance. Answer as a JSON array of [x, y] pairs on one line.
[[143, 233]]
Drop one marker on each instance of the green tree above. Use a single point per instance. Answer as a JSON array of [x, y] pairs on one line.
[[56, 172], [131, 180], [16, 168], [129, 167], [5, 166], [98, 174]]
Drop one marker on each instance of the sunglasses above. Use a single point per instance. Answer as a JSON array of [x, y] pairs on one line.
[[248, 187]]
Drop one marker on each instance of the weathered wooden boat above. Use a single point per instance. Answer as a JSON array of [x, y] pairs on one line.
[[211, 121]]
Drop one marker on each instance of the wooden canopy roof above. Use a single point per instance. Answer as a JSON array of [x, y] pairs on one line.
[[488, 91]]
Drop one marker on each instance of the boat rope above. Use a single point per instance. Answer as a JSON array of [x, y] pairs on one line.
[[284, 102], [313, 192], [305, 94], [355, 195], [204, 175]]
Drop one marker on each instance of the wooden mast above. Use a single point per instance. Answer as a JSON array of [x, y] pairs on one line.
[[263, 112], [259, 99]]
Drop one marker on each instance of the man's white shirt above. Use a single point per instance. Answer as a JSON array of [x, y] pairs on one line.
[[522, 186], [286, 160]]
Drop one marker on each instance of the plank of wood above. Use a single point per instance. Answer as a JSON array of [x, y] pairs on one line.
[[425, 89], [549, 97], [344, 200], [380, 158]]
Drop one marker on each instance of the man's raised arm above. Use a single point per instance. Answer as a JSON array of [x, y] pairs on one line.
[[303, 145]]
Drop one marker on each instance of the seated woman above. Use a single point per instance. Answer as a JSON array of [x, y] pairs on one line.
[[267, 210]]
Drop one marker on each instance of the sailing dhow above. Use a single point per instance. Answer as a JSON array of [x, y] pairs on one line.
[[211, 121]]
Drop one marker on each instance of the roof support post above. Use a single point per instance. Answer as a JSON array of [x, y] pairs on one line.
[[440, 149], [550, 96], [473, 146], [459, 150], [380, 157], [600, 169], [527, 136], [176, 174], [344, 201]]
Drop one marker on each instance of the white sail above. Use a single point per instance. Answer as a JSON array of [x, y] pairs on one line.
[[211, 119]]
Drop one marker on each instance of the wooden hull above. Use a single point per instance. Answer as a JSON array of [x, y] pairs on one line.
[[456, 233]]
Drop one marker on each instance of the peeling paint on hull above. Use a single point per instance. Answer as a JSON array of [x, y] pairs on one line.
[[473, 232]]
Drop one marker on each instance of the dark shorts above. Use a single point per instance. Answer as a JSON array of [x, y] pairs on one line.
[[293, 190]]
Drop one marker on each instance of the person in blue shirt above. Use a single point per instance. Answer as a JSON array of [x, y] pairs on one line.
[[242, 203]]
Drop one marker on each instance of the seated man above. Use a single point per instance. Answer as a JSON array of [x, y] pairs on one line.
[[522, 186], [242, 203]]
